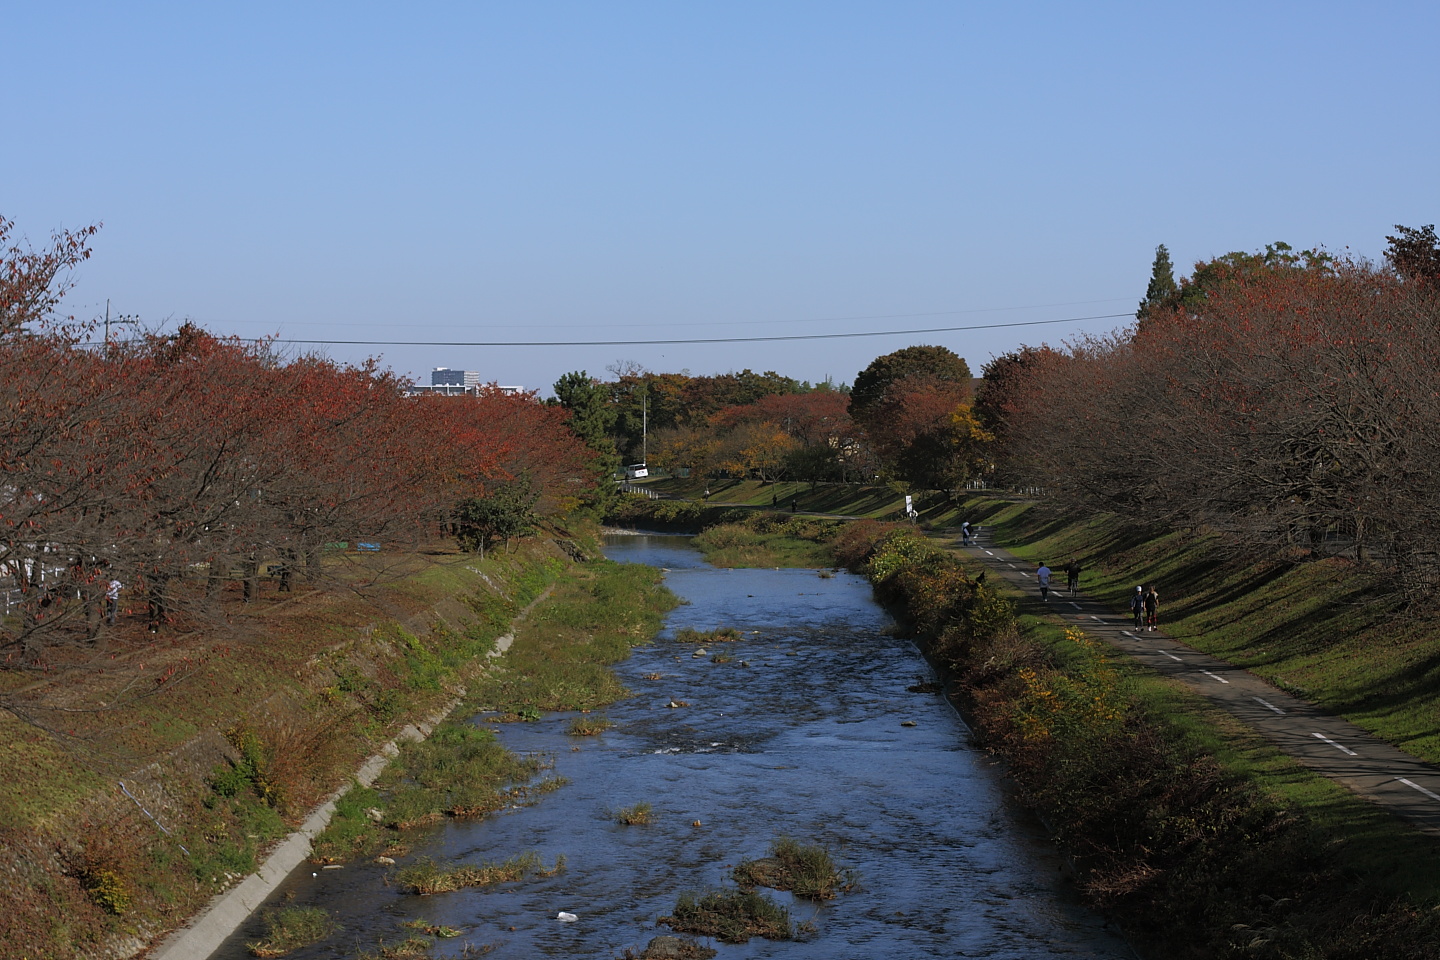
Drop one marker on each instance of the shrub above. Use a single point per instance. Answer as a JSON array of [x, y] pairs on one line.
[[107, 890]]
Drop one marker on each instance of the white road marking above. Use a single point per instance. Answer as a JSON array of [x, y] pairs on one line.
[[987, 552], [1096, 619], [1221, 679], [1074, 604], [1128, 634], [1321, 736], [1170, 655], [1416, 786], [1269, 705], [1024, 574]]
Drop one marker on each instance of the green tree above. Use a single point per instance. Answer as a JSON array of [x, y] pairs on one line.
[[1415, 253], [504, 512], [1162, 288], [591, 415], [592, 418]]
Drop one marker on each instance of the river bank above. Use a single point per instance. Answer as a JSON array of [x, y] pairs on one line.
[[188, 756], [1172, 812]]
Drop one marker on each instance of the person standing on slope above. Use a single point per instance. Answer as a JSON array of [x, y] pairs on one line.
[[1043, 576]]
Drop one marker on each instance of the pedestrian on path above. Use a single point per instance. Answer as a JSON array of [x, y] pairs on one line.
[[965, 534], [1043, 576], [1072, 574], [1152, 607], [1137, 606]]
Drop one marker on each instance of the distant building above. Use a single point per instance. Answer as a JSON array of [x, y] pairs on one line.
[[445, 377], [458, 383]]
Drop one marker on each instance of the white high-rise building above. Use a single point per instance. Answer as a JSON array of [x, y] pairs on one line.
[[445, 377]]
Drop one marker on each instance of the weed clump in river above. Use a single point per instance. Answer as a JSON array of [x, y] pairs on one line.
[[588, 726], [718, 635], [806, 870], [731, 916], [641, 814], [291, 928], [403, 950], [425, 876]]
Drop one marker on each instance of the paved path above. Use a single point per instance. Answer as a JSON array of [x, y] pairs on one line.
[[1330, 746]]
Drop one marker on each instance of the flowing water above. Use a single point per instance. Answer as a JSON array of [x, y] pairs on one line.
[[808, 731]]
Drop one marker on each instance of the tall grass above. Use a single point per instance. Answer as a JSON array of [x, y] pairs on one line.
[[806, 870], [291, 928], [426, 877]]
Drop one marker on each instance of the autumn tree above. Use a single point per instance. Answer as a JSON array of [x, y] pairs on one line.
[[903, 402], [32, 282], [873, 383]]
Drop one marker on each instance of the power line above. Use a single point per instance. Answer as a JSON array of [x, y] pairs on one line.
[[708, 323], [636, 343]]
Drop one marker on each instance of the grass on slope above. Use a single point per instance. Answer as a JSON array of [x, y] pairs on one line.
[[1364, 839], [1321, 629]]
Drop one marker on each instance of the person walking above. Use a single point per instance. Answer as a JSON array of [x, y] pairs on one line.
[[1152, 607], [112, 600], [1137, 606], [1072, 576], [965, 534], [1043, 577]]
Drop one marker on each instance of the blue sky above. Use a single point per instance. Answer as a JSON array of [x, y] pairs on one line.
[[614, 171]]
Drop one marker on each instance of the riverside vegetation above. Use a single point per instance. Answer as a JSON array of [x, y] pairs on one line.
[[254, 730], [1200, 839], [559, 661]]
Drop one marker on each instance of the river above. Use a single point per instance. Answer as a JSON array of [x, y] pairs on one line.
[[810, 731]]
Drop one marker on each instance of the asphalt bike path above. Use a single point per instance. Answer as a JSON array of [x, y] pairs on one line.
[[1328, 745]]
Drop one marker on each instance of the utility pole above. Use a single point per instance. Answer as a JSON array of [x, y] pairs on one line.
[[119, 320]]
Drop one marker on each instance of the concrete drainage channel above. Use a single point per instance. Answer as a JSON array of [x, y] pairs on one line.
[[207, 931]]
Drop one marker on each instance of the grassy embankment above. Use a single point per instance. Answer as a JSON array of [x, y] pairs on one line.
[[229, 739], [560, 661], [1321, 629], [1201, 838]]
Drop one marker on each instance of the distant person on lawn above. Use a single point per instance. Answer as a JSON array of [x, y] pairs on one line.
[[112, 600]]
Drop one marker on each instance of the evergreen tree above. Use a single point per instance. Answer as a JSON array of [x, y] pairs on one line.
[[1162, 288], [592, 416]]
